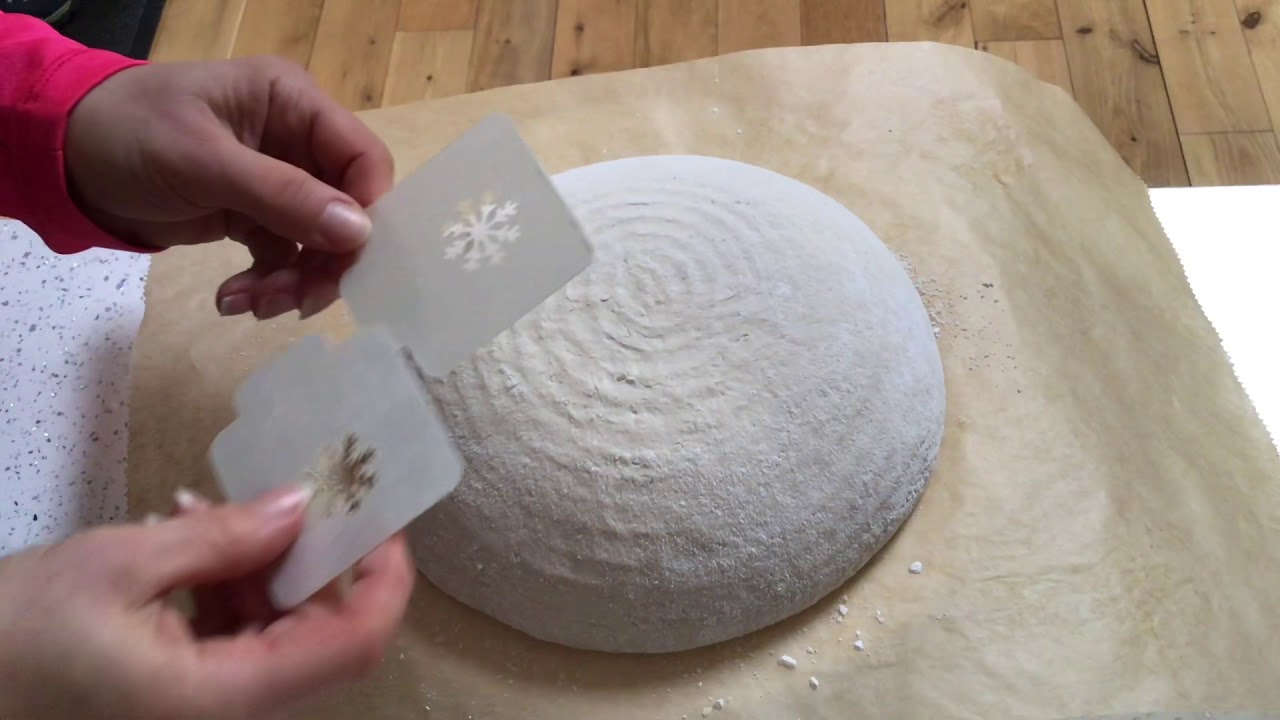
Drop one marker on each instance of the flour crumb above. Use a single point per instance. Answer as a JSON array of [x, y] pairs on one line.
[[844, 599], [715, 111], [810, 650], [879, 617], [739, 131], [857, 633], [718, 704], [787, 662], [813, 682], [858, 645], [916, 568], [699, 684], [842, 609], [706, 711]]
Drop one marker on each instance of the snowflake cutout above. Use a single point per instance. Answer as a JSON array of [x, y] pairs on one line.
[[481, 233]]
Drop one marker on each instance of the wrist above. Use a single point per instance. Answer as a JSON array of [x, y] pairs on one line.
[[84, 154]]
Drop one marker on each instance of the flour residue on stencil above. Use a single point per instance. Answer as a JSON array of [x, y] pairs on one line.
[[342, 476], [479, 234]]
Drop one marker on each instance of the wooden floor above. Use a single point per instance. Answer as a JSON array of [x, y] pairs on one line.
[[1187, 90]]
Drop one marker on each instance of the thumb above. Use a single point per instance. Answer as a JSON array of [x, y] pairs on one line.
[[288, 201], [225, 542]]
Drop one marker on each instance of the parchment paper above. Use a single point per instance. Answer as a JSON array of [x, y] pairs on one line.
[[1101, 533]]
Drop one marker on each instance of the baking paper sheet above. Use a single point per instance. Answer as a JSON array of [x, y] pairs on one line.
[[1101, 533]]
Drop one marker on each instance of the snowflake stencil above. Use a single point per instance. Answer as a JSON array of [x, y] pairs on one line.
[[481, 232]]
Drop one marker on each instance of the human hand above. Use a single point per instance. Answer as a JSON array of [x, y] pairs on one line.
[[85, 629], [251, 149]]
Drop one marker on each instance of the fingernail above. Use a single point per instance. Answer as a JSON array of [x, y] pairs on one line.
[[345, 227], [273, 305], [286, 503], [237, 304], [189, 500], [152, 519]]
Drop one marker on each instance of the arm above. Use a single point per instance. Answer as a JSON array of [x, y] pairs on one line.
[[100, 151], [42, 77]]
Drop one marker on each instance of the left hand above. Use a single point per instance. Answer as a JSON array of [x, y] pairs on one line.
[[251, 149], [87, 632]]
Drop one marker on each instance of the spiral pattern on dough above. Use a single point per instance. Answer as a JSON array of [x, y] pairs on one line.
[[629, 315]]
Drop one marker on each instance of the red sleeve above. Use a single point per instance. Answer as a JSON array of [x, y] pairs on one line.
[[42, 77]]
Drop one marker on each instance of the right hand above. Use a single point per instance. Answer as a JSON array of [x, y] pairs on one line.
[[252, 149], [85, 630]]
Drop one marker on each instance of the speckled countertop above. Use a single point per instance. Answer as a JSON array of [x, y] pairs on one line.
[[67, 326]]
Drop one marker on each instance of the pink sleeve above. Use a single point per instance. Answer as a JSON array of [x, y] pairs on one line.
[[42, 77]]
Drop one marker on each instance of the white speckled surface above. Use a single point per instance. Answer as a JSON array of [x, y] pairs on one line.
[[67, 325]]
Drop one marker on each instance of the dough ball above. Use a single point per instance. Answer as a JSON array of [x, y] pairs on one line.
[[714, 426]]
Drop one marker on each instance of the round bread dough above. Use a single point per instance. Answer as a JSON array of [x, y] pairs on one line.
[[715, 425]]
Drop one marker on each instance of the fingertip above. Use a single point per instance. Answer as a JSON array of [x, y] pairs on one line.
[[320, 283], [276, 293], [272, 305], [384, 583], [221, 543], [237, 304], [186, 500], [317, 299], [391, 556], [343, 227], [235, 295]]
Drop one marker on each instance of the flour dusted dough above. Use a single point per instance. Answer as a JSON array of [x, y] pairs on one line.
[[714, 426]]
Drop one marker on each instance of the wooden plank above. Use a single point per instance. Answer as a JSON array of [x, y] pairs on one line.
[[512, 43], [192, 30], [353, 50], [1207, 68], [945, 21], [751, 24], [1045, 59], [427, 65], [279, 27], [594, 36], [1117, 81], [1261, 22], [429, 15], [1233, 158], [825, 22], [671, 31], [1014, 20]]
